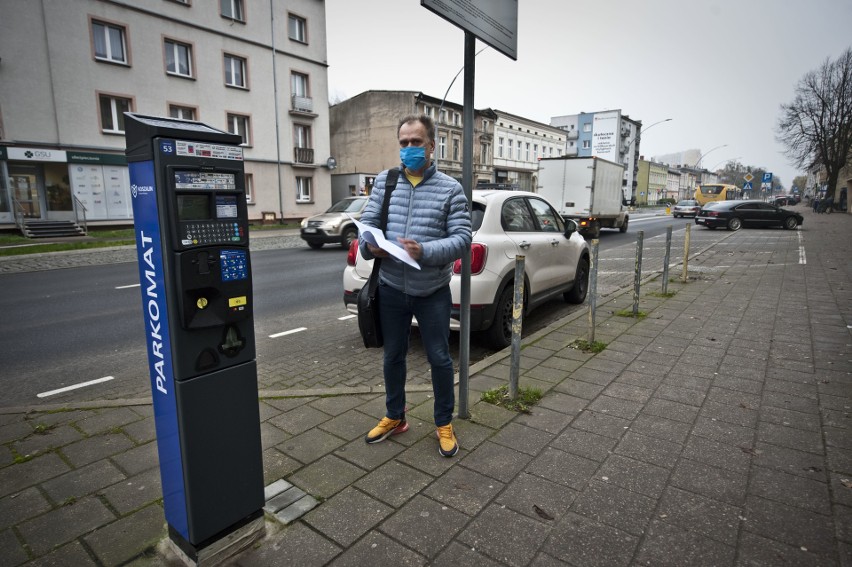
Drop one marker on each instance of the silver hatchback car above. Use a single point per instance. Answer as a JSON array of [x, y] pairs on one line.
[[505, 224], [686, 208]]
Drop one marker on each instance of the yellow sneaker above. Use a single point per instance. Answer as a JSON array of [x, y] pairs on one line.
[[447, 443], [385, 428]]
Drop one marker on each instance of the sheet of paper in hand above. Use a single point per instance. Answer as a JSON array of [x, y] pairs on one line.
[[377, 238]]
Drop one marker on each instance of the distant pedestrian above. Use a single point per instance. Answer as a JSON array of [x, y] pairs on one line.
[[816, 204]]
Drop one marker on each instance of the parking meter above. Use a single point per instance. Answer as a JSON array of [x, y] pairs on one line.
[[191, 223]]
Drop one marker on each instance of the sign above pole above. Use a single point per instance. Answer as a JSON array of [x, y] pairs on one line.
[[494, 22]]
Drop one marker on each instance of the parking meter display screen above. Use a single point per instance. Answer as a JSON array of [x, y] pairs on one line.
[[226, 206], [205, 180], [193, 207]]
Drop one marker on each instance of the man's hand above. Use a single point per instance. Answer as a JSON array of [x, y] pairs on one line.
[[376, 251], [412, 247]]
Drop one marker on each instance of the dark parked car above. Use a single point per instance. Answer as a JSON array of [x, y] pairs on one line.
[[686, 208], [785, 200], [733, 215]]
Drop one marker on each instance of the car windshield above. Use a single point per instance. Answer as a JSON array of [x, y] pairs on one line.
[[348, 206]]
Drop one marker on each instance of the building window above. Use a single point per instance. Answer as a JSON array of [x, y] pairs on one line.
[[298, 84], [456, 119], [112, 113], [518, 157], [239, 124], [500, 148], [235, 71], [485, 125], [181, 112], [297, 28], [535, 151], [528, 151], [178, 58], [249, 188], [443, 116], [302, 136], [110, 42], [586, 144], [485, 155], [587, 127], [232, 9], [303, 189], [455, 149], [511, 148], [442, 147]]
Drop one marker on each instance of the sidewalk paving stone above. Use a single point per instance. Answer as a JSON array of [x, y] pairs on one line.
[[713, 431]]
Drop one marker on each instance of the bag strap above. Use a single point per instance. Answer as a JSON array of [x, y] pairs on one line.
[[390, 185]]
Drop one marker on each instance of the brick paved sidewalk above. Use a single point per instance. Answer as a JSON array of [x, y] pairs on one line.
[[713, 431]]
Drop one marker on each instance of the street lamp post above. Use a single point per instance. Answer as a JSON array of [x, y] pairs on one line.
[[707, 152]]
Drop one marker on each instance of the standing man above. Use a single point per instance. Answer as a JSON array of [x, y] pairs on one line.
[[429, 217]]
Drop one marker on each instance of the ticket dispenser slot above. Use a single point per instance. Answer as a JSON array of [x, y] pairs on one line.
[[191, 223]]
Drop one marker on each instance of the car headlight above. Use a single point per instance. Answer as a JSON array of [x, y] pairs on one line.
[[304, 223]]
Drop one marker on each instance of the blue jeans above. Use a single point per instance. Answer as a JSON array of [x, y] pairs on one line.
[[433, 319]]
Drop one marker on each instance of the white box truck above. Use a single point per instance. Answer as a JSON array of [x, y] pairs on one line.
[[585, 189]]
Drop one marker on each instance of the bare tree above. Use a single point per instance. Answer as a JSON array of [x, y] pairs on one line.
[[816, 127]]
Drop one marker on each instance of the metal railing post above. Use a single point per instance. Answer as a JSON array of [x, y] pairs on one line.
[[666, 260], [593, 288], [685, 272], [517, 324], [637, 276]]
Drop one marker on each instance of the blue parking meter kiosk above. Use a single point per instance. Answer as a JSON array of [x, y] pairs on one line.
[[191, 224]]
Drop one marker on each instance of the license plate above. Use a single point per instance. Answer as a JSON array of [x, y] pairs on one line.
[[310, 230]]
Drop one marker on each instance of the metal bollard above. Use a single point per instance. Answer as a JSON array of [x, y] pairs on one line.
[[666, 260], [684, 275], [517, 324], [637, 276], [593, 288]]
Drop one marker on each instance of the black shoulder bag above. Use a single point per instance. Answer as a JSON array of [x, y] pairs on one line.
[[368, 302]]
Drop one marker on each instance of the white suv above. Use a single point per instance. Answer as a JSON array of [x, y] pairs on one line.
[[505, 224]]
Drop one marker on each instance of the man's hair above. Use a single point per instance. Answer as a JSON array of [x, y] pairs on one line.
[[423, 119]]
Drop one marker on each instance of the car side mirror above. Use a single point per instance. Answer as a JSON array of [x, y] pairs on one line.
[[571, 227]]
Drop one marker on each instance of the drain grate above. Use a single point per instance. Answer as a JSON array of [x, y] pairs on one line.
[[286, 502]]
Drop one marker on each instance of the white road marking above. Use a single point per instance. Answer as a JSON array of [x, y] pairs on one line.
[[802, 258], [74, 387], [127, 286], [345, 317], [290, 332]]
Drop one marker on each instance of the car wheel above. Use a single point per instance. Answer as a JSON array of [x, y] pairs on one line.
[[675, 216], [315, 245], [790, 223], [499, 334], [623, 228], [349, 234], [577, 294], [735, 224]]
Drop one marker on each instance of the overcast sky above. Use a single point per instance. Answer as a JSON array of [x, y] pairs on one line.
[[720, 69]]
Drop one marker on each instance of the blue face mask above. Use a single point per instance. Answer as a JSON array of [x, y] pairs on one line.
[[413, 157]]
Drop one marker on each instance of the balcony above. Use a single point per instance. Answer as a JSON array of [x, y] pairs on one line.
[[302, 104], [303, 155]]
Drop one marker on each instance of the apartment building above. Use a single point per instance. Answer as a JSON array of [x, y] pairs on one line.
[[70, 69], [608, 134], [363, 131], [651, 182], [518, 145]]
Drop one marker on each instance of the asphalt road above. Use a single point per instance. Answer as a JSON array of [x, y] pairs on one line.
[[67, 327]]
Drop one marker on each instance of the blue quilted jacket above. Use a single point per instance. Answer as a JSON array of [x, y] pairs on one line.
[[435, 214]]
